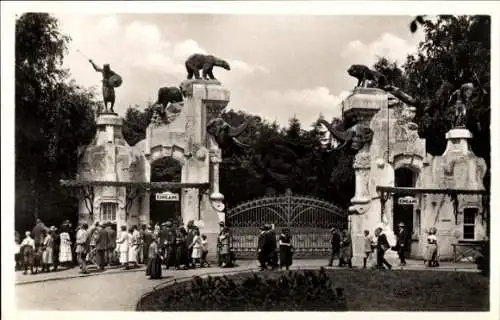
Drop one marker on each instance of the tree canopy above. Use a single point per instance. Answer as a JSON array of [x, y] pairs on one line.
[[53, 117], [456, 50]]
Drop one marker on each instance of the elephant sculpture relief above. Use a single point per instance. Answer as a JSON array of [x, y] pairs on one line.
[[226, 136], [334, 137]]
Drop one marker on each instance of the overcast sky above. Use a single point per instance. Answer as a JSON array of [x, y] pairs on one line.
[[281, 65]]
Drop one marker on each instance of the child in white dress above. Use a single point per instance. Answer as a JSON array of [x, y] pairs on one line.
[[197, 247]]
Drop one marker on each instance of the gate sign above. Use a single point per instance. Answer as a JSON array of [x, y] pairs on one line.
[[167, 196], [407, 201]]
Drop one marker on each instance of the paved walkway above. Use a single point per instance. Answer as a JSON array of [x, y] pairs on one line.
[[120, 290]]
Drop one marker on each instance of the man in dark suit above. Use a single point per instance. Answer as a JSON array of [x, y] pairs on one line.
[[335, 242], [261, 254], [111, 231], [169, 245], [101, 246], [147, 238], [37, 232], [271, 245], [382, 247], [403, 240]]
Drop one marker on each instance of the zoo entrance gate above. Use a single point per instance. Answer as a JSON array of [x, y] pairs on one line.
[[309, 220]]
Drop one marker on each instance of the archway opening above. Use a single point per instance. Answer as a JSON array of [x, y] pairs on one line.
[[403, 210], [165, 204]]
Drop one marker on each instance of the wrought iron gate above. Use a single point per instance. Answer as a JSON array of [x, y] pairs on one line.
[[309, 220]]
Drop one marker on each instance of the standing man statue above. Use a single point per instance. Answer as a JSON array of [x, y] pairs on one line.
[[110, 81]]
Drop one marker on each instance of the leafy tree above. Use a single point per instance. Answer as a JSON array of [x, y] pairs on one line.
[[456, 50], [135, 124], [294, 130], [393, 73], [53, 117]]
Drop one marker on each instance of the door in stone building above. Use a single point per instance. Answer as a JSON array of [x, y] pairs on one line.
[[403, 209], [165, 204]]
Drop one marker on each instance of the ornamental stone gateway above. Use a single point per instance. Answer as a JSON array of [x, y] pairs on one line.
[[114, 178], [394, 165]]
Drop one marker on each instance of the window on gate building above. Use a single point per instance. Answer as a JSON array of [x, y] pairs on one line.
[[108, 211], [469, 224]]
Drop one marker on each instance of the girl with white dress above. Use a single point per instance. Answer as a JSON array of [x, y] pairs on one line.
[[197, 247], [47, 251], [122, 246], [65, 255], [132, 248]]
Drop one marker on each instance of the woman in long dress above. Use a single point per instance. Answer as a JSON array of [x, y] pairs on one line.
[[431, 252], [286, 250], [122, 247], [132, 248], [346, 248], [182, 258], [65, 254], [47, 251], [197, 248], [154, 262], [225, 253]]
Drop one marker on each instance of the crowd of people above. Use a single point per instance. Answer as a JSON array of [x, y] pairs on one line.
[[174, 246], [45, 249]]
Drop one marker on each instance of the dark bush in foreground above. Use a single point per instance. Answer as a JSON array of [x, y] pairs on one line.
[[364, 290], [292, 291]]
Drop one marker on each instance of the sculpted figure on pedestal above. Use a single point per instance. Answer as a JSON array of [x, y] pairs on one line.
[[461, 100], [197, 62], [110, 81]]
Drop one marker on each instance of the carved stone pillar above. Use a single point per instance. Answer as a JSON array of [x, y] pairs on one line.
[[361, 201], [204, 100], [362, 197]]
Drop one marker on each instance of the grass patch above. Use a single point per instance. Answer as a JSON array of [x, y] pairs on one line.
[[364, 290]]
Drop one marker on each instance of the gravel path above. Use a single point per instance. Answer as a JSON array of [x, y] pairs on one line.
[[116, 289]]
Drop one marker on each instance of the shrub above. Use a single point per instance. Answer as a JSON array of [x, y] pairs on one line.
[[291, 291]]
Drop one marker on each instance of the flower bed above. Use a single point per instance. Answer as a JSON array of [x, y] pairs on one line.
[[364, 290]]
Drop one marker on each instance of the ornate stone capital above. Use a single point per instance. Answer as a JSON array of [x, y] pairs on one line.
[[362, 161], [363, 104]]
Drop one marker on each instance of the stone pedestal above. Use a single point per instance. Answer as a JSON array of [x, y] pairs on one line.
[[109, 158], [362, 104]]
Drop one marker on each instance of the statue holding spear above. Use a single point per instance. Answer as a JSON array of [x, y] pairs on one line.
[[110, 81]]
